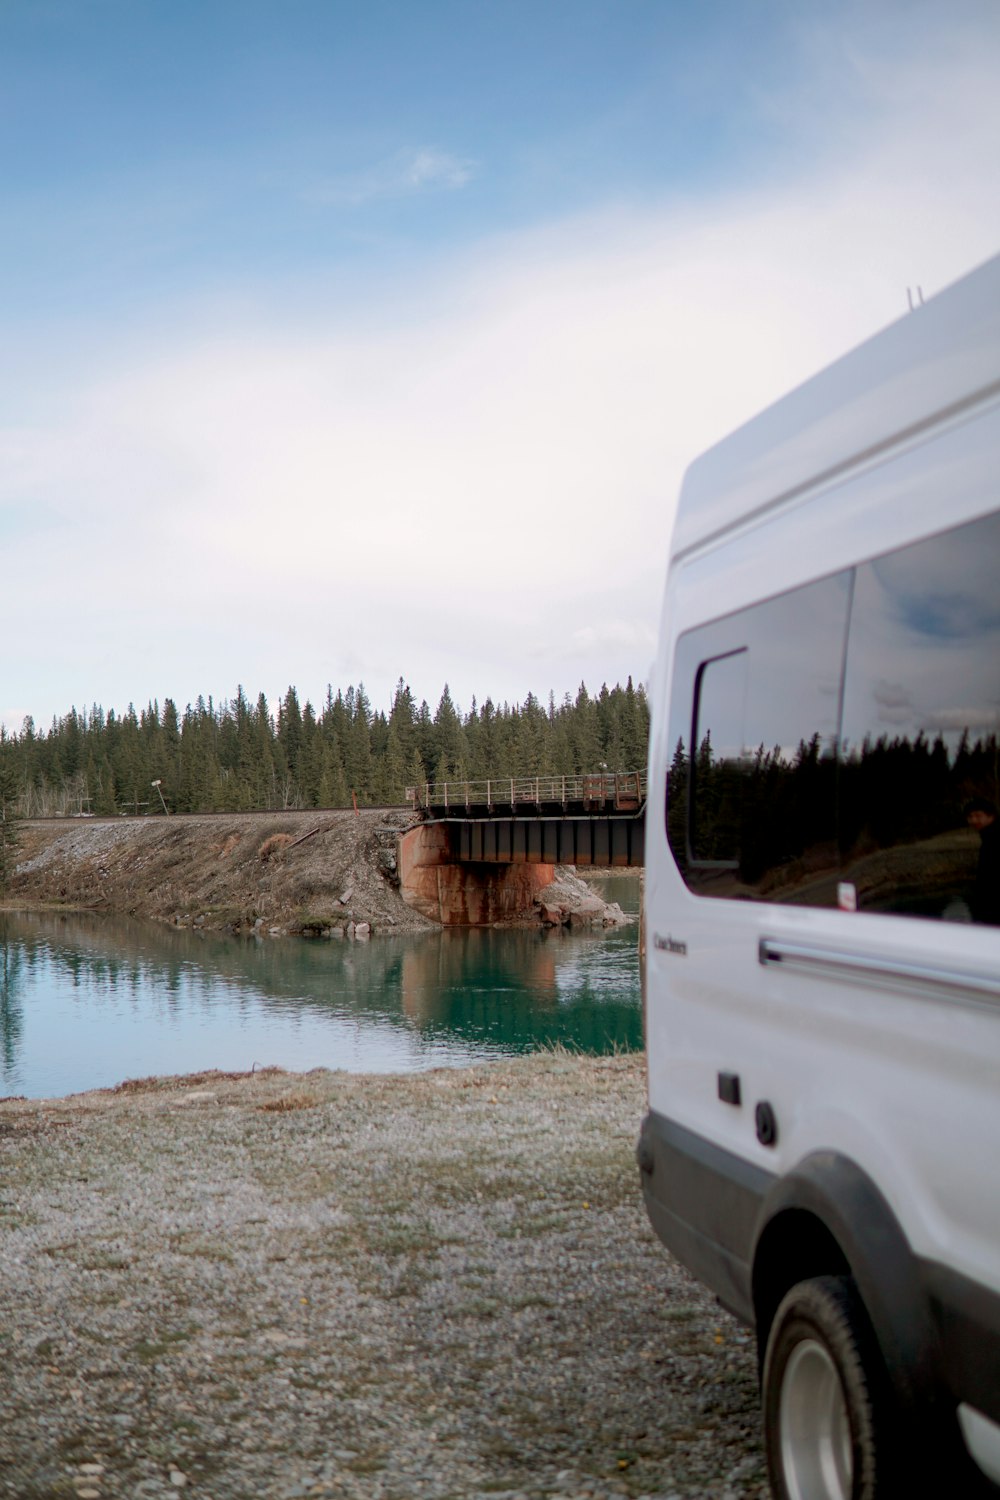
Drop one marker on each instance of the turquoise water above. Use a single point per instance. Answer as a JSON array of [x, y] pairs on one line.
[[86, 1002]]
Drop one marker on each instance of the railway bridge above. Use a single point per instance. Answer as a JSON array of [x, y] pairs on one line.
[[484, 851]]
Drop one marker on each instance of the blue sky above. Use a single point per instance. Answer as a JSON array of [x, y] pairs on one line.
[[158, 152], [342, 341]]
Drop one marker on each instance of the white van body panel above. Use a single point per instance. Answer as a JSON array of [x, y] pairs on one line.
[[887, 1057], [922, 371]]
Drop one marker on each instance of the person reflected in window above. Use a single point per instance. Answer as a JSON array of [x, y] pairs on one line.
[[982, 816]]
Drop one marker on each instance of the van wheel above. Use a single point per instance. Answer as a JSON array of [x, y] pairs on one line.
[[821, 1391]]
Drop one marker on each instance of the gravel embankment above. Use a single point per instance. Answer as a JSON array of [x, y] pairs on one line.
[[273, 872], [321, 873], [437, 1285]]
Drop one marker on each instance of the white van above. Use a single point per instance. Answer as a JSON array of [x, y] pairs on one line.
[[822, 906]]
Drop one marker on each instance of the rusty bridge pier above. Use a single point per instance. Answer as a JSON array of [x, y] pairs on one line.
[[484, 850]]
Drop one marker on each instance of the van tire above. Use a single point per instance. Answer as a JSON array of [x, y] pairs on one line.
[[823, 1392]]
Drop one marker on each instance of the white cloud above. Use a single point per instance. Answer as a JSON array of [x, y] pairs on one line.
[[438, 169], [403, 174], [479, 492]]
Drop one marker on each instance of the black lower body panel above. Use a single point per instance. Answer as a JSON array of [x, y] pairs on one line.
[[705, 1205]]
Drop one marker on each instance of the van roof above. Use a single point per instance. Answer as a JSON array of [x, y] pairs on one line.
[[943, 356]]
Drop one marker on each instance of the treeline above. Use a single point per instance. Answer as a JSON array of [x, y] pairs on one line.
[[240, 756]]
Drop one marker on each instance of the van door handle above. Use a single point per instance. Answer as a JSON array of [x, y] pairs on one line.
[[883, 970]]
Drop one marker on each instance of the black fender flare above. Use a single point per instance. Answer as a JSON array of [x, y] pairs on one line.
[[833, 1190]]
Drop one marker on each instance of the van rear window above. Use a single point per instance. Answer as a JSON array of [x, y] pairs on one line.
[[845, 737]]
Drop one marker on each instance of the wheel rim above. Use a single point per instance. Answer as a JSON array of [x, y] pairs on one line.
[[815, 1430]]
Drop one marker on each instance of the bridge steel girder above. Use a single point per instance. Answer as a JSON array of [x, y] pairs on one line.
[[599, 842]]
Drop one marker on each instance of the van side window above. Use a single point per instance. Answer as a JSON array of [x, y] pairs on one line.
[[893, 789], [919, 741], [754, 712]]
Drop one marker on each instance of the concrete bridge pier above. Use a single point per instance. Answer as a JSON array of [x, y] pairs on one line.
[[436, 881]]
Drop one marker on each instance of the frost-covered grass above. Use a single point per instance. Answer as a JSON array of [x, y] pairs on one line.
[[278, 1285]]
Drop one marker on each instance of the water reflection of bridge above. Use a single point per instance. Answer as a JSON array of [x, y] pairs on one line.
[[595, 820], [149, 998]]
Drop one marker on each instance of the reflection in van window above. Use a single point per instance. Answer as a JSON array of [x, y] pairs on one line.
[[921, 719], [720, 763], [757, 695], [878, 768]]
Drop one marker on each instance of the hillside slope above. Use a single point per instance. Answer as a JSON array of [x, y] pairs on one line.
[[326, 874], [294, 871]]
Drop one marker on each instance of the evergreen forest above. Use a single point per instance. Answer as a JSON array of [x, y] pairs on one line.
[[241, 755]]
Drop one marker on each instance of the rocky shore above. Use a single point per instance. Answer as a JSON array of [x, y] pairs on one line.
[[280, 1286], [319, 874]]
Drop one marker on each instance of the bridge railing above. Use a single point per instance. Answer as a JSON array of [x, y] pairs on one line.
[[625, 791]]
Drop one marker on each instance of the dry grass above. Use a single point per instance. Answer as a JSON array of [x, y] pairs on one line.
[[274, 845], [289, 1102]]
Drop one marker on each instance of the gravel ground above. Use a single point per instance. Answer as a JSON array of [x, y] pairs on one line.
[[286, 1285]]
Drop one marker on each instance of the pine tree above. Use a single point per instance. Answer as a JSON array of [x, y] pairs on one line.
[[449, 748], [584, 734], [403, 719], [389, 770], [416, 775], [356, 742], [10, 818], [333, 785]]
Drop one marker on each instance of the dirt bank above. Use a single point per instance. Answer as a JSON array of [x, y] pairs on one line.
[[323, 874], [293, 871], [401, 1288]]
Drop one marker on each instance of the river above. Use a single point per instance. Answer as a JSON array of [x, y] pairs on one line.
[[87, 1002]]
